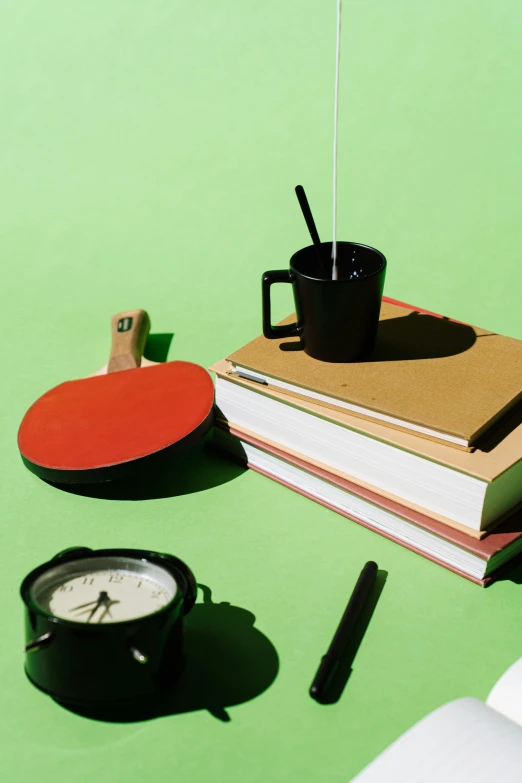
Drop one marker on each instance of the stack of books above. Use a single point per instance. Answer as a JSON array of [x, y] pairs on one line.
[[422, 443]]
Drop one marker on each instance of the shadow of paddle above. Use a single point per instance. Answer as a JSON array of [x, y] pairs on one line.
[[500, 429], [228, 662], [157, 346], [199, 469]]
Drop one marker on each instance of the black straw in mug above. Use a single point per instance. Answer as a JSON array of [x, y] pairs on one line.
[[307, 214]]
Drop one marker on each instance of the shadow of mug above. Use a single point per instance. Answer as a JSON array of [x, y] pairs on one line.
[[421, 336]]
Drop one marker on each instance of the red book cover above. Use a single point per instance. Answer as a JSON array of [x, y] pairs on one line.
[[503, 536]]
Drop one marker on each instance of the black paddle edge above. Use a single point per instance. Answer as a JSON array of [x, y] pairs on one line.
[[123, 470]]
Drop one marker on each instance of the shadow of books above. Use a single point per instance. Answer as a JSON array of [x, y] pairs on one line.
[[512, 572], [200, 469], [412, 337], [344, 670], [228, 662], [500, 429]]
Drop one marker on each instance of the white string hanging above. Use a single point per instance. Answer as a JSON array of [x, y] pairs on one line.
[[336, 123]]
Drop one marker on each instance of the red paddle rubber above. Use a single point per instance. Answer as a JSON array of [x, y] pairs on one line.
[[110, 426]]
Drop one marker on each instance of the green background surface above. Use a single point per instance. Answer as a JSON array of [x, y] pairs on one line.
[[148, 155]]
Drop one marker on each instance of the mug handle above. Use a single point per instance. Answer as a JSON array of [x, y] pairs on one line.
[[269, 331]]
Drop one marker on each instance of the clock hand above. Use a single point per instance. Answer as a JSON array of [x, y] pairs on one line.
[[91, 607], [93, 612], [102, 597], [102, 600], [82, 606], [107, 611]]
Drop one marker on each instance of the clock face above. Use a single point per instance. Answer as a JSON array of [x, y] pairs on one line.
[[100, 590]]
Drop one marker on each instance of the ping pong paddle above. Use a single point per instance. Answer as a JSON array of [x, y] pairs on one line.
[[127, 417]]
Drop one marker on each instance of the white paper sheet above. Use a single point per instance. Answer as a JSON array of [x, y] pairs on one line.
[[506, 695], [464, 741]]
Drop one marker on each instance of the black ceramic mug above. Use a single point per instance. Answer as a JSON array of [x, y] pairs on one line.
[[337, 320]]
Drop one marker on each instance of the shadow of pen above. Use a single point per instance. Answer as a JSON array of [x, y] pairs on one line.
[[344, 669]]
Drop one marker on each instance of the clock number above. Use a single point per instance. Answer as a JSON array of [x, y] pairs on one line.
[[116, 578], [156, 594], [65, 589], [88, 580], [139, 584]]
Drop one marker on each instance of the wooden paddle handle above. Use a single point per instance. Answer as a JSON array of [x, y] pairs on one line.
[[129, 335]]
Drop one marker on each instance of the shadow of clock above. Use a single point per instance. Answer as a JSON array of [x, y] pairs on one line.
[[227, 662]]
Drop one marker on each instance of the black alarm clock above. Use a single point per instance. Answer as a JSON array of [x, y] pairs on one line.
[[106, 625]]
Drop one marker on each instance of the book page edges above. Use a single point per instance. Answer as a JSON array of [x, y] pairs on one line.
[[358, 521], [484, 465], [395, 425], [241, 431], [484, 544], [410, 381]]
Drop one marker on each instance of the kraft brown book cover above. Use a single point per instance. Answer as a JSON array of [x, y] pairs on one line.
[[426, 370], [500, 449], [506, 535]]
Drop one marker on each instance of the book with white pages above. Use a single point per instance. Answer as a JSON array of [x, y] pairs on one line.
[[431, 375], [472, 491], [464, 741], [479, 560]]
